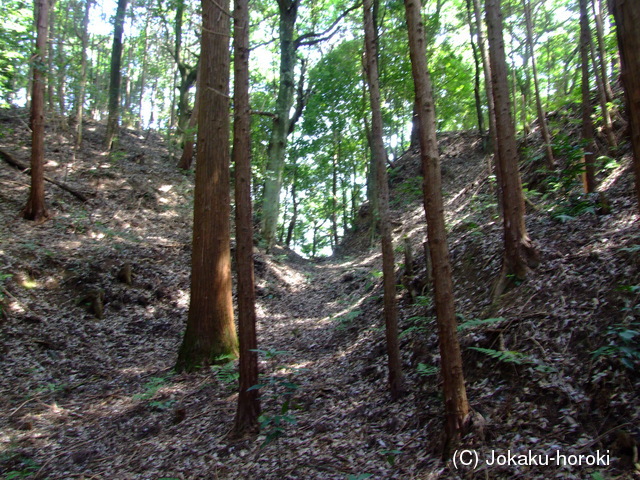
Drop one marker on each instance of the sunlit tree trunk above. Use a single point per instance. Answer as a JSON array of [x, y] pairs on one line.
[[602, 54], [36, 209], [520, 254], [248, 400], [115, 76], [278, 141], [211, 333], [542, 120], [84, 39], [455, 396], [627, 17], [486, 68], [476, 76], [189, 140], [388, 264], [589, 176]]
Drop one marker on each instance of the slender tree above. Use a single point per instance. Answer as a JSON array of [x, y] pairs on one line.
[[115, 78], [455, 395], [388, 266], [520, 254], [542, 119], [627, 16], [589, 176], [36, 209], [84, 40], [210, 332], [248, 400]]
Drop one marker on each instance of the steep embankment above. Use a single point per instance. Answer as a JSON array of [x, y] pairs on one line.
[[96, 398]]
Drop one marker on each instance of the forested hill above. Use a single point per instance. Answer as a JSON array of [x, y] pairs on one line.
[[95, 299]]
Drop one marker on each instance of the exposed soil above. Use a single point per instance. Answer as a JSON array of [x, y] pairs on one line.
[[96, 398]]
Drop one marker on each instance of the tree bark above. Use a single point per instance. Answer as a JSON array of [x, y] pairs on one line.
[[84, 39], [627, 16], [520, 254], [115, 76], [455, 396], [476, 61], [248, 400], [210, 334], [388, 265], [542, 120], [602, 54], [589, 175], [36, 209], [278, 141], [486, 67], [187, 151]]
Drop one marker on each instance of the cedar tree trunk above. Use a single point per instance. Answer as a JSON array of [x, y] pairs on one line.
[[455, 395], [211, 333], [116, 76], [248, 400], [520, 254], [627, 17], [35, 208], [388, 266]]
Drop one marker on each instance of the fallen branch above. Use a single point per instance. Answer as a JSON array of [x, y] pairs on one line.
[[24, 169]]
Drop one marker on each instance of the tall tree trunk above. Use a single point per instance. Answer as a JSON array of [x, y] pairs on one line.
[[115, 76], [335, 160], [602, 54], [486, 67], [627, 16], [84, 39], [476, 62], [602, 98], [278, 141], [388, 264], [520, 254], [542, 120], [187, 151], [210, 332], [294, 205], [589, 176], [248, 400], [455, 396], [35, 208]]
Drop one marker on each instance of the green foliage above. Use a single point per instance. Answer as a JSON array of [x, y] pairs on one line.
[[226, 373], [466, 324], [408, 192], [280, 389], [417, 324], [509, 356], [573, 206], [28, 467], [390, 456], [3, 278], [425, 370], [151, 388], [624, 344], [344, 320]]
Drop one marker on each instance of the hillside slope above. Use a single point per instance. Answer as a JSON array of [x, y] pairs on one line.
[[88, 397]]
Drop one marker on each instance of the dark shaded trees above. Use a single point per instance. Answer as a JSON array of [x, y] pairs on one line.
[[35, 208], [520, 254], [627, 17], [248, 400], [589, 175], [211, 332], [115, 78], [455, 395], [379, 154]]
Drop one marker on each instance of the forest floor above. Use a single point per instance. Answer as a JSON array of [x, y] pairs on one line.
[[90, 393]]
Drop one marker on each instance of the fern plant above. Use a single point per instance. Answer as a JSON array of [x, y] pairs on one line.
[[511, 356]]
